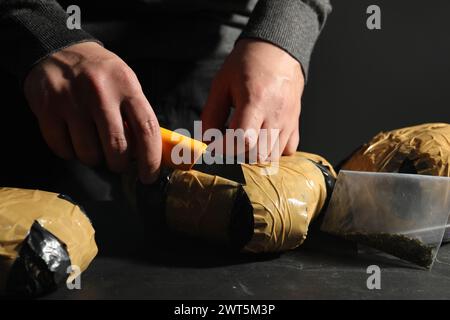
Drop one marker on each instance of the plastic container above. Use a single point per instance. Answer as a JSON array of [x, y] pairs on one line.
[[404, 215]]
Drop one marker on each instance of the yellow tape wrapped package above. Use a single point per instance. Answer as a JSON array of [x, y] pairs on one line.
[[284, 198], [426, 147], [20, 208]]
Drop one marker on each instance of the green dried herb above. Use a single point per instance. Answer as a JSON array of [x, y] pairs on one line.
[[398, 245]]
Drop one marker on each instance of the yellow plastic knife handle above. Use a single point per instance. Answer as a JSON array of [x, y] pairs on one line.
[[176, 158]]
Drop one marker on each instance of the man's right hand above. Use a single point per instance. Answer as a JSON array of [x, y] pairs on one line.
[[90, 105]]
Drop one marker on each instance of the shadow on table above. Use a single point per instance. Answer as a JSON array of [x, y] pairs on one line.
[[121, 233]]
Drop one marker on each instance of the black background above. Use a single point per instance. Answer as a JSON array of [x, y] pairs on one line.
[[361, 82], [364, 81]]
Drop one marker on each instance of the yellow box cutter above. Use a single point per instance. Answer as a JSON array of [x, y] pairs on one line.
[[170, 139], [231, 170]]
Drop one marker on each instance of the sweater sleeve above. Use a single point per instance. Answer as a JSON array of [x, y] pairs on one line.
[[293, 25], [30, 30]]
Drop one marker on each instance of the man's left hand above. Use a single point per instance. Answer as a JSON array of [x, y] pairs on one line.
[[264, 84]]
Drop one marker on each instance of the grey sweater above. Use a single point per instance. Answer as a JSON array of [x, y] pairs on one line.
[[30, 30]]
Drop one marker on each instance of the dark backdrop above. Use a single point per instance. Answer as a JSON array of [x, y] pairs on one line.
[[363, 81]]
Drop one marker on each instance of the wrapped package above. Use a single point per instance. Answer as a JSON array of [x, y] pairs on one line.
[[200, 205], [286, 202], [422, 149], [271, 212], [45, 239]]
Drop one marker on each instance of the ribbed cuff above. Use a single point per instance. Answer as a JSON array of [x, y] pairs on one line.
[[292, 25], [30, 31]]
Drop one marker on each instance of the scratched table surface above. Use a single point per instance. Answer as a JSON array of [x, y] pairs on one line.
[[133, 265]]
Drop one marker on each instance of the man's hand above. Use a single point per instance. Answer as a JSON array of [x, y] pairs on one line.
[[90, 105], [264, 84]]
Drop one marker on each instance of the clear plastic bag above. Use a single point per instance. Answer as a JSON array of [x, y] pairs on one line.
[[400, 214]]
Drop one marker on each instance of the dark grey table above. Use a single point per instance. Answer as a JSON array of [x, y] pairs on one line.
[[131, 265]]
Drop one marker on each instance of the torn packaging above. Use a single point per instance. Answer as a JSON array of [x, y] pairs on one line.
[[41, 235], [422, 149], [270, 213], [403, 215]]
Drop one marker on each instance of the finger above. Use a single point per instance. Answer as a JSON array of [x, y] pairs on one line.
[[110, 127], [131, 146], [84, 138], [56, 135], [292, 144], [146, 134], [277, 151], [217, 108], [249, 118], [271, 140]]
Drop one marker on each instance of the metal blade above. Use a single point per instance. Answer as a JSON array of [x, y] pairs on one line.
[[224, 167]]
